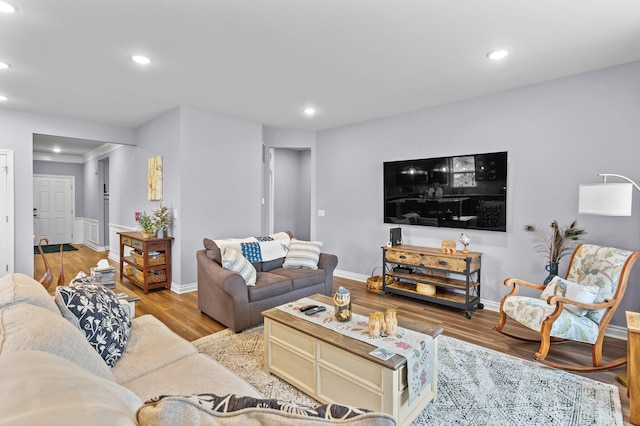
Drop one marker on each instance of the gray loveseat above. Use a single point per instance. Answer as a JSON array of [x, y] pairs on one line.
[[225, 297]]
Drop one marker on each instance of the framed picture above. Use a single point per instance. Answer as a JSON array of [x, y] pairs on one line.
[[154, 178]]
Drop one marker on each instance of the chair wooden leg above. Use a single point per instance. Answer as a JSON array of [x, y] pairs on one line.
[[596, 353], [501, 321]]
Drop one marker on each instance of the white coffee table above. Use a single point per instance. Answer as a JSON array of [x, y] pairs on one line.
[[333, 368]]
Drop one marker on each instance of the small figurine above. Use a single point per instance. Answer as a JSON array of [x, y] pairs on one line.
[[448, 247], [465, 240]]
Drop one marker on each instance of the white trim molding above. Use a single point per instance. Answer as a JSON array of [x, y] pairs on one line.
[[90, 234], [114, 241]]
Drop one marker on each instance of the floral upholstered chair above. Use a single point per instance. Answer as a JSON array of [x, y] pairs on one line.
[[577, 308]]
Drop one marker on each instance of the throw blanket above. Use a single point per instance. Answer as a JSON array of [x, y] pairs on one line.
[[259, 249]]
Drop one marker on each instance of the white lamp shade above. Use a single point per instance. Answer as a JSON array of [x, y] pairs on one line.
[[606, 199]]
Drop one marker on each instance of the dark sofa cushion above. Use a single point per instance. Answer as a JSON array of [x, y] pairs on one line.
[[269, 285], [301, 278], [268, 266]]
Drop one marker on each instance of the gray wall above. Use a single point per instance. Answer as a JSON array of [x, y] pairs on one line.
[[16, 133], [558, 134], [65, 169], [220, 182]]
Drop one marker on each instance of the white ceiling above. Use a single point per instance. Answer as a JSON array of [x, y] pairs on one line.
[[44, 144], [263, 61]]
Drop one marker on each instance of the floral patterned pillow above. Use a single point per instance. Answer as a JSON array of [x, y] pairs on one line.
[[95, 310]]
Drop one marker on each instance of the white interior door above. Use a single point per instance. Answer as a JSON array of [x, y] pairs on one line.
[[53, 208], [6, 212]]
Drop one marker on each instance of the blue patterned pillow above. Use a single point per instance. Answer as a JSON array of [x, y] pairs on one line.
[[95, 310]]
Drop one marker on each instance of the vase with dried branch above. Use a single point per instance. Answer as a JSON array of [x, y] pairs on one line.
[[558, 244]]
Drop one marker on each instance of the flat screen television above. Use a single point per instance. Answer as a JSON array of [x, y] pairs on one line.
[[464, 191]]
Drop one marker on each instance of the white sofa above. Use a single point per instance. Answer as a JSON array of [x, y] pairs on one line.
[[50, 374]]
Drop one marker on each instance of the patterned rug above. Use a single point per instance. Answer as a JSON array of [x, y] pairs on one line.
[[476, 386]]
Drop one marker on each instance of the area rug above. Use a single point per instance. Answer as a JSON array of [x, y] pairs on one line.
[[54, 248], [476, 386]]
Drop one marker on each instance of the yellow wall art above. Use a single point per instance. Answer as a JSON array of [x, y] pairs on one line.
[[154, 178]]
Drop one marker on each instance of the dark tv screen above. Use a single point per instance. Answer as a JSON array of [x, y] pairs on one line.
[[463, 191]]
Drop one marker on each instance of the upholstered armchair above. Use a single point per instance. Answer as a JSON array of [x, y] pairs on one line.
[[577, 308]]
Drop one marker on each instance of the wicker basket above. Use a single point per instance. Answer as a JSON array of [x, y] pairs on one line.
[[374, 282], [426, 289], [159, 259], [152, 276]]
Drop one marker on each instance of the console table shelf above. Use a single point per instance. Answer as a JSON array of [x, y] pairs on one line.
[[456, 277], [145, 271]]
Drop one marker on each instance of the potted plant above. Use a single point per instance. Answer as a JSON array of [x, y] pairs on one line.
[[561, 242], [161, 220], [146, 224]]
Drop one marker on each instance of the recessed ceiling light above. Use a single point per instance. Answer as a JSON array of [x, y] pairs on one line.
[[3, 98], [309, 111], [7, 8], [496, 55], [4, 66], [57, 150], [141, 59]]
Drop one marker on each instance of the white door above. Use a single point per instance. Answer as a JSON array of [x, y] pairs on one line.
[[53, 208], [6, 212]]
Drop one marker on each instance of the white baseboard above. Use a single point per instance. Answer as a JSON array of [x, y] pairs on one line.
[[613, 331], [184, 288]]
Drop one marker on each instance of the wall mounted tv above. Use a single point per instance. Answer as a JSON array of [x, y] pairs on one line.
[[465, 191]]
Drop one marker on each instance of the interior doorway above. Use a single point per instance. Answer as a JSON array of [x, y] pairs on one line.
[[53, 208], [290, 191], [103, 214]]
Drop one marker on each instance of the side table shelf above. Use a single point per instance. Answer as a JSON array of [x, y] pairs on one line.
[[455, 277], [149, 267]]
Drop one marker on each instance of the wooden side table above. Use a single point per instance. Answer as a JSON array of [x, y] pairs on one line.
[[633, 365], [149, 266]]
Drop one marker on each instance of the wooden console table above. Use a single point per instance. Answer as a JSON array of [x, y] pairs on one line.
[[456, 277], [149, 266]]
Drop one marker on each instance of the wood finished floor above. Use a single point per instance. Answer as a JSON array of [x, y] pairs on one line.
[[180, 312]]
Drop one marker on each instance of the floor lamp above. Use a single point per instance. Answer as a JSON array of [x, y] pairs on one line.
[[608, 199]]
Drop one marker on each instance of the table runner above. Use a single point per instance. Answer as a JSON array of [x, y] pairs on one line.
[[417, 348]]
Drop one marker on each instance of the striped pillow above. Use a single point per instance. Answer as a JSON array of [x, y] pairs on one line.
[[233, 260], [303, 254]]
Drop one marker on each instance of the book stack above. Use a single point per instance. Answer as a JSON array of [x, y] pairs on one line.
[[104, 276]]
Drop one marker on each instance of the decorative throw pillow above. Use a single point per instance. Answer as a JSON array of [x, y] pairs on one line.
[[303, 254], [234, 261], [28, 327], [96, 311], [573, 291], [210, 409]]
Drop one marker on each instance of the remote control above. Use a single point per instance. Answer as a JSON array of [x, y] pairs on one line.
[[315, 310], [305, 308]]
